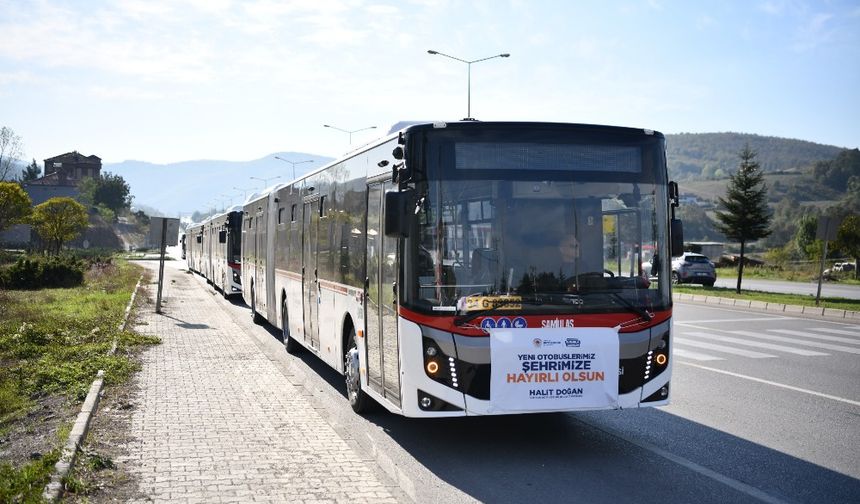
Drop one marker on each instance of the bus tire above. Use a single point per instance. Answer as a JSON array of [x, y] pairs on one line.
[[290, 344], [255, 317], [358, 399]]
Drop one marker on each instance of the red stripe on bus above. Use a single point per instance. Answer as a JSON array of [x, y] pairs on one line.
[[446, 322]]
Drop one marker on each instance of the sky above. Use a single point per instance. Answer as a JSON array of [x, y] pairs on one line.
[[177, 80]]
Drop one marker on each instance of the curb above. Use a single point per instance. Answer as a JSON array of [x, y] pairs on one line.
[[816, 311], [54, 489], [122, 325]]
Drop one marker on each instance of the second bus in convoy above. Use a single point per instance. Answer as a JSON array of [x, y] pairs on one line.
[[213, 249], [475, 268]]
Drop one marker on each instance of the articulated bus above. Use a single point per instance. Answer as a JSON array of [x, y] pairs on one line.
[[473, 268], [213, 249]]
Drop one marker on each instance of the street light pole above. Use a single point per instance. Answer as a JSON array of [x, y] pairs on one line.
[[469, 78], [294, 163], [244, 192], [348, 131], [266, 180]]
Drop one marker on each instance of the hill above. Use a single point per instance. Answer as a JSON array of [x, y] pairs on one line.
[[188, 186], [715, 155]]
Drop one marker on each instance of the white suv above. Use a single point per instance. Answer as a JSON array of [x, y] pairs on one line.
[[693, 268]]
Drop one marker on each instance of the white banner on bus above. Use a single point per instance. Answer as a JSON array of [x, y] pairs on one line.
[[553, 369]]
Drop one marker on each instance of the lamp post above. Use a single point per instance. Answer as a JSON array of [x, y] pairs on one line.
[[294, 163], [266, 180], [469, 81], [348, 131], [243, 191]]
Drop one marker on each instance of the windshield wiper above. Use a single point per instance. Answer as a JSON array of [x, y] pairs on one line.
[[638, 310], [472, 316]]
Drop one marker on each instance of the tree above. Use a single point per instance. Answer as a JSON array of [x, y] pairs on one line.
[[10, 150], [14, 205], [113, 192], [745, 217], [848, 239], [804, 238], [31, 172], [108, 191], [59, 220]]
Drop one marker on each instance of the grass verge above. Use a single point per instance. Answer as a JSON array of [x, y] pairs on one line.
[[52, 344], [806, 273], [771, 297]]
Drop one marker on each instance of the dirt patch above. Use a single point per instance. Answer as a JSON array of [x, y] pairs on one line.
[[40, 431]]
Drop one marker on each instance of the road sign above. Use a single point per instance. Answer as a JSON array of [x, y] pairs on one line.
[[155, 225], [163, 231], [827, 228]]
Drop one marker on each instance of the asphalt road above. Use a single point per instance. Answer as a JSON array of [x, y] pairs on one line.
[[759, 414], [828, 289]]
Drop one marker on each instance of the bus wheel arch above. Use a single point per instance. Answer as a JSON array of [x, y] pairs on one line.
[[358, 398]]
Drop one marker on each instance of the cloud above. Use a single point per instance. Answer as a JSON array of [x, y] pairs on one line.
[[122, 93], [815, 31]]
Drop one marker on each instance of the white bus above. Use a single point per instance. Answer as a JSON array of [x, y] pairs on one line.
[[474, 268], [213, 249]]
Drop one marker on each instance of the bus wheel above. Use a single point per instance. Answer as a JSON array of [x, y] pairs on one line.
[[255, 317], [292, 346], [358, 399]]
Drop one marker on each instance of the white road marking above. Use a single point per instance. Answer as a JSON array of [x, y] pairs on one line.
[[757, 344], [807, 334], [795, 341], [723, 348], [855, 333], [688, 354], [775, 384], [727, 320]]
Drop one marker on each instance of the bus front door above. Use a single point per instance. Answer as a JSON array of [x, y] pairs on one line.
[[383, 363], [310, 273]]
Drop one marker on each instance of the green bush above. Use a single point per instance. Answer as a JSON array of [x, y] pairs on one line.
[[36, 272]]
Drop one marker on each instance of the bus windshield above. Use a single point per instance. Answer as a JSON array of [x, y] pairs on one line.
[[544, 222]]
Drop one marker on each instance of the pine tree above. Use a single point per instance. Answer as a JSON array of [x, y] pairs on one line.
[[745, 217], [31, 172]]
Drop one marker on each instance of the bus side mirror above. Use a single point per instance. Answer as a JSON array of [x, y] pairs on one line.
[[676, 233], [399, 207], [222, 236]]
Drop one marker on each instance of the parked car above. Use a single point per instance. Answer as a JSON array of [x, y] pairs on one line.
[[693, 268], [840, 267], [843, 267]]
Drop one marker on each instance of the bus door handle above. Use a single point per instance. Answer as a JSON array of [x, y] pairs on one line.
[[366, 283], [394, 289]]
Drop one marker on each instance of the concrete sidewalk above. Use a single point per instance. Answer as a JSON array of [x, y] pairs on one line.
[[216, 421]]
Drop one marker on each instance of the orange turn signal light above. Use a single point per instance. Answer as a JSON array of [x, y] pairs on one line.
[[432, 367], [661, 359]]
